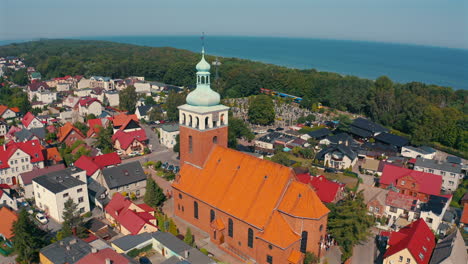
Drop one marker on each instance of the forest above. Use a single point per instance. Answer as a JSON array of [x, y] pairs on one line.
[[427, 114]]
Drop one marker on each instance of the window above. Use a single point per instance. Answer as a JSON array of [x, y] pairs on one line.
[[195, 210], [429, 220], [81, 210], [79, 190], [137, 192], [376, 210], [230, 228], [421, 256], [180, 196], [304, 241], [371, 208], [212, 215], [190, 144], [320, 228], [400, 259], [250, 238], [393, 209], [269, 259], [39, 195], [65, 195], [80, 199], [215, 140], [408, 260], [402, 183], [424, 248]]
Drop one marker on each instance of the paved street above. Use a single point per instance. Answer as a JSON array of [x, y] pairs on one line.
[[7, 260], [365, 253]]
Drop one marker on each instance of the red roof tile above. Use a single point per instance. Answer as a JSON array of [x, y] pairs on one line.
[[94, 126], [121, 119], [27, 119], [278, 232], [416, 237], [86, 163], [7, 218], [325, 189], [428, 183], [402, 201], [101, 257], [87, 101], [126, 138], [67, 129], [32, 148], [91, 165]]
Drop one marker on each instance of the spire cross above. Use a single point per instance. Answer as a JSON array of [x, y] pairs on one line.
[[203, 42]]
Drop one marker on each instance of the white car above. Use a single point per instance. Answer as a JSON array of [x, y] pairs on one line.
[[134, 153], [41, 218], [119, 152]]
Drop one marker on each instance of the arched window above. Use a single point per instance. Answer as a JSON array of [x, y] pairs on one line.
[[183, 119], [190, 120], [321, 228], [197, 122], [190, 146], [304, 241], [212, 215], [250, 238], [207, 119], [230, 228], [215, 139], [222, 120], [195, 209]]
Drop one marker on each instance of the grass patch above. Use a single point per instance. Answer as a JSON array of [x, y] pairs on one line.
[[137, 251]]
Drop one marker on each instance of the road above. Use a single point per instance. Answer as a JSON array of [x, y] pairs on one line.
[[365, 253]]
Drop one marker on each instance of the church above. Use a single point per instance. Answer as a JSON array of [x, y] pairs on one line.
[[254, 209]]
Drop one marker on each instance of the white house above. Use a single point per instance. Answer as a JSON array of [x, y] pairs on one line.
[[434, 210], [451, 173], [168, 134], [6, 112], [25, 179], [3, 128], [16, 158], [102, 82], [142, 87], [401, 206], [7, 200], [414, 152], [52, 190], [61, 87], [31, 121], [83, 83], [338, 156], [112, 97], [89, 105], [41, 92], [142, 112]]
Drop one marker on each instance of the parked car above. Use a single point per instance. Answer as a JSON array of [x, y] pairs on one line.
[[134, 153], [170, 168], [270, 130], [176, 169], [164, 165], [119, 152], [144, 260], [41, 218], [279, 129]]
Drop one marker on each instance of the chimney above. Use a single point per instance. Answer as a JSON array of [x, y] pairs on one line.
[[108, 261], [187, 254], [68, 248], [94, 250]]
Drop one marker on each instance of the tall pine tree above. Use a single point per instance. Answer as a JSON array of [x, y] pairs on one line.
[[73, 222], [154, 195], [28, 239], [188, 238]]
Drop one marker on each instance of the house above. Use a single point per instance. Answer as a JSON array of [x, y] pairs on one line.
[[112, 98], [95, 125], [267, 143], [374, 198], [25, 179], [142, 112], [98, 196], [418, 184], [63, 87], [328, 191], [451, 173], [391, 139], [377, 150], [168, 134], [434, 210], [412, 244], [130, 242], [70, 101], [414, 152], [371, 166], [7, 218], [450, 250], [69, 134], [129, 177], [41, 92], [30, 134], [52, 156], [16, 158], [454, 160], [101, 82], [83, 83], [128, 142], [130, 218], [338, 139], [53, 189], [364, 128], [7, 200], [318, 134], [338, 156], [30, 121], [142, 87], [464, 199], [68, 250], [106, 256], [6, 112], [3, 128], [175, 250], [89, 105], [34, 76], [401, 208], [93, 165]]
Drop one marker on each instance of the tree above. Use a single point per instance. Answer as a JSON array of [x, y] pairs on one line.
[[154, 195], [188, 238], [73, 222], [20, 77], [261, 110], [349, 223], [161, 218], [28, 239], [149, 100], [156, 114], [173, 101], [104, 139], [311, 258], [91, 116], [238, 129], [176, 148], [82, 127], [173, 228], [281, 158], [128, 99]]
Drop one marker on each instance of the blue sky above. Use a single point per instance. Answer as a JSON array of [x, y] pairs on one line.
[[427, 22]]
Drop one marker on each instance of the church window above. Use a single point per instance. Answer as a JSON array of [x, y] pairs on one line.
[[195, 210], [215, 139], [212, 215], [250, 238], [304, 241], [230, 228], [190, 144]]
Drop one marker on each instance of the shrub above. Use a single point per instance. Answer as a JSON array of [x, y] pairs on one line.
[[204, 251], [135, 252]]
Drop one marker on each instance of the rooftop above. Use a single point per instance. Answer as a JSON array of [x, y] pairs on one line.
[[124, 174], [68, 250], [59, 181], [438, 165]]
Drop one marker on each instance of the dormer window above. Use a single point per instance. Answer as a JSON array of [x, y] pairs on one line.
[[402, 182]]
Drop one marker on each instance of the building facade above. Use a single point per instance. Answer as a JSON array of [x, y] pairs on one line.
[[452, 174]]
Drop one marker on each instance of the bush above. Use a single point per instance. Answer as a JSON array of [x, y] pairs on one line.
[[135, 252], [158, 164], [88, 214], [204, 251]]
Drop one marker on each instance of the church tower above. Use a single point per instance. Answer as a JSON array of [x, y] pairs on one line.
[[203, 120]]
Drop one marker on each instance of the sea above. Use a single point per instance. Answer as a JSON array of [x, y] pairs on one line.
[[400, 62]]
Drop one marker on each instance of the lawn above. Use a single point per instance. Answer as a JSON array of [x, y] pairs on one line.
[[350, 182]]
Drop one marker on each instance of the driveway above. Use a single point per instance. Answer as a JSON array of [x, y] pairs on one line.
[[366, 252]]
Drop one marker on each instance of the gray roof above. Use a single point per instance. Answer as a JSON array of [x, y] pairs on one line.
[[175, 260], [124, 174], [25, 134], [346, 150], [170, 127], [319, 133], [454, 159], [451, 249], [59, 181], [438, 165], [144, 109], [180, 247], [422, 150], [95, 190], [68, 250], [274, 136], [131, 241]]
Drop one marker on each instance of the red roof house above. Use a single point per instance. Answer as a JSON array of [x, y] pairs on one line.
[[31, 121], [32, 148], [7, 218], [415, 238], [93, 164], [69, 134], [328, 191], [106, 255], [130, 141], [129, 217], [94, 126], [410, 182]]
